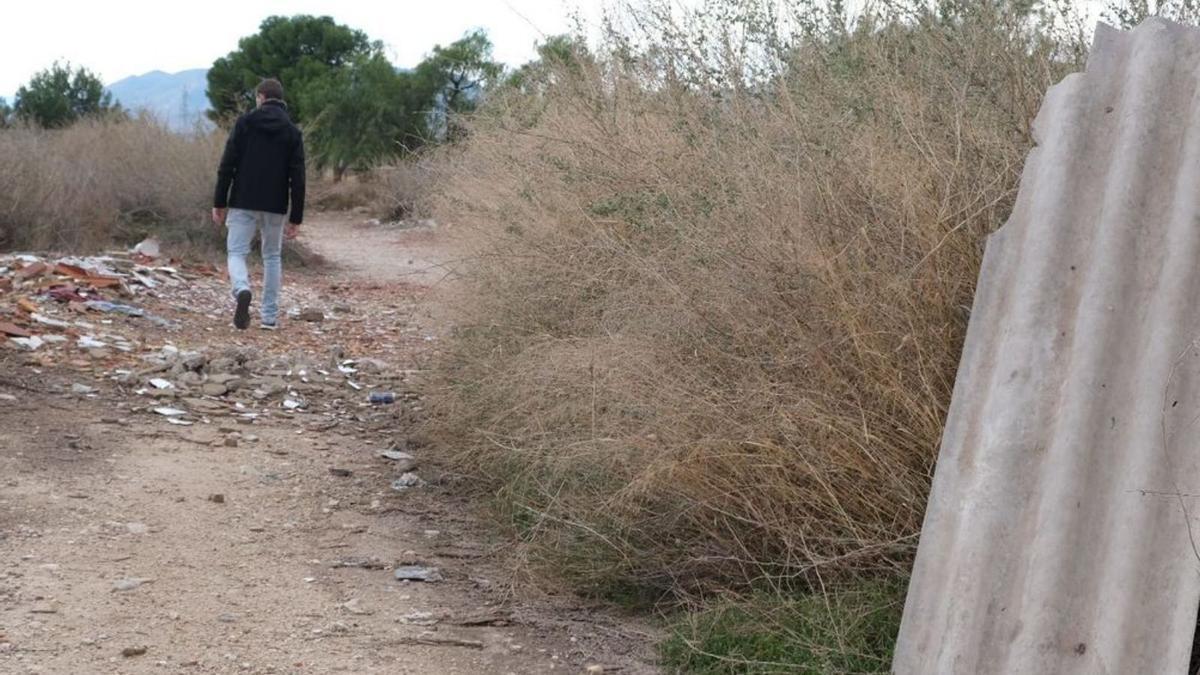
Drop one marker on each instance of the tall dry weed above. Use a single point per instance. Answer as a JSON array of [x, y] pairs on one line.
[[718, 281], [82, 187]]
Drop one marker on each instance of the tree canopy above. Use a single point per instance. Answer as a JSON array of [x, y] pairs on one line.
[[366, 112], [299, 51], [59, 95], [356, 108], [455, 77]]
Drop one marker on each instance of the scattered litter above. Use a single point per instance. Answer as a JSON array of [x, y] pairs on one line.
[[382, 397], [292, 404], [13, 330], [170, 412], [406, 481], [149, 248], [107, 307], [89, 342], [82, 389], [47, 321], [31, 343], [159, 383]]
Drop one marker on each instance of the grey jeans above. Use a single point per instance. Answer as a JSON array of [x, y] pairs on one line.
[[242, 225]]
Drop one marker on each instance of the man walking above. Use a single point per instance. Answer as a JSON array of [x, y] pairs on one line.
[[263, 162]]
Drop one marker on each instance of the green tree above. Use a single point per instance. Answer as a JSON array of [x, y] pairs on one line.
[[58, 96], [368, 112], [457, 75], [558, 54], [298, 50]]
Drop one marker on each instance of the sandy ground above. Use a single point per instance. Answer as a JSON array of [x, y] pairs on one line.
[[128, 545]]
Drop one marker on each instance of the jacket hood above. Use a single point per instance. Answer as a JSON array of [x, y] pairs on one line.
[[271, 117]]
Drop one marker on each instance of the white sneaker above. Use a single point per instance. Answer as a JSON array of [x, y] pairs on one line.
[[269, 326]]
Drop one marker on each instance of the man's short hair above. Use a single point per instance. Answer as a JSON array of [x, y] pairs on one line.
[[270, 88]]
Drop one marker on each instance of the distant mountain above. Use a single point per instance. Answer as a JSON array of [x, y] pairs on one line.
[[175, 98]]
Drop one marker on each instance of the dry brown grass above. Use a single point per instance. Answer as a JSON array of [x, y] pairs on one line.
[[99, 181], [710, 324], [391, 192]]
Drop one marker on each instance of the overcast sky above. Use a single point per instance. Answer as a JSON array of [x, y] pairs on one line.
[[119, 38]]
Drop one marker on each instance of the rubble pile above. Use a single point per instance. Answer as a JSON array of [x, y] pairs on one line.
[[155, 340], [80, 302], [242, 382]]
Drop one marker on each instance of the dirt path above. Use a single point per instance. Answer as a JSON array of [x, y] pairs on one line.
[[260, 538]]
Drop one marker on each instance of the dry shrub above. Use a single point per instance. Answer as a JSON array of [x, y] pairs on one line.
[[719, 282], [357, 191], [391, 192], [98, 181], [404, 188]]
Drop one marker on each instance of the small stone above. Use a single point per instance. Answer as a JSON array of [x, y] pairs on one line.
[[340, 473], [82, 389], [594, 668], [44, 608], [231, 441], [370, 365], [214, 389], [221, 365], [224, 378], [405, 462], [190, 379], [227, 617], [417, 573], [352, 606], [133, 651], [217, 498], [195, 362], [311, 314], [129, 584], [419, 619]]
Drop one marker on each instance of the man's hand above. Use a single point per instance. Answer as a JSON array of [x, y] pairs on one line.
[[291, 231], [218, 216]]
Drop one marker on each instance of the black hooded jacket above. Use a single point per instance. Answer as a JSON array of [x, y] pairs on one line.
[[263, 162]]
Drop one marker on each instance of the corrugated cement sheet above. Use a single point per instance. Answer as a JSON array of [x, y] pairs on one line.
[[1061, 533]]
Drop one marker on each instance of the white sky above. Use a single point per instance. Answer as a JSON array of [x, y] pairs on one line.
[[119, 38]]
